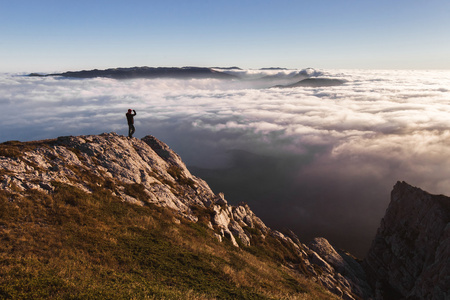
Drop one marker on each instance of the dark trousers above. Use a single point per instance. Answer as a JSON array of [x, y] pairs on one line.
[[131, 130]]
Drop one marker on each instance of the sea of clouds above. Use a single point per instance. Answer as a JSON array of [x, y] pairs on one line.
[[319, 161]]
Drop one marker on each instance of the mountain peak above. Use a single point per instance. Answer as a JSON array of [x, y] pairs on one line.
[[409, 256]]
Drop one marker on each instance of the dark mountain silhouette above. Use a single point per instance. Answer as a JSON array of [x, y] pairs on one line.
[[227, 68], [314, 82], [304, 78], [409, 257], [145, 72]]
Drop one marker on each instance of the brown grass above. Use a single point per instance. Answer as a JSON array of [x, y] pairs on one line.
[[77, 245]]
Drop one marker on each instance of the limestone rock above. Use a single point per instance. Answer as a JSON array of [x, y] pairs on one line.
[[409, 258], [149, 164], [340, 270]]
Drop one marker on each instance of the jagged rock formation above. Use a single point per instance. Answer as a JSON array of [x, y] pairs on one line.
[[409, 258], [341, 271], [147, 162], [148, 171]]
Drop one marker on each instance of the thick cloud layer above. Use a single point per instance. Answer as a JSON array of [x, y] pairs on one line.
[[319, 161]]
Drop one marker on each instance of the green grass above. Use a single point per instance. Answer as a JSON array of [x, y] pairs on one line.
[[77, 245]]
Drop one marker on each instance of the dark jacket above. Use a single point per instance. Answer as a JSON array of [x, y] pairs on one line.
[[130, 117]]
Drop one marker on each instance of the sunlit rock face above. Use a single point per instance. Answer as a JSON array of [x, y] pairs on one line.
[[409, 257], [152, 165], [340, 270]]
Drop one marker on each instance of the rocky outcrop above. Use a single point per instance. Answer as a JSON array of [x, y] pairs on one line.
[[124, 162], [409, 258], [341, 272], [146, 172]]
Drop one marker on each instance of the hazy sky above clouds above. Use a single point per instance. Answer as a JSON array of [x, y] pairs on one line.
[[319, 161], [54, 35]]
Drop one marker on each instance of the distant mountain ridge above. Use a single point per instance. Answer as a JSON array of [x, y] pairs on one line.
[[303, 78], [314, 82], [145, 72]]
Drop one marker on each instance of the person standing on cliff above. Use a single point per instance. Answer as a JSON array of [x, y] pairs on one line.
[[130, 119]]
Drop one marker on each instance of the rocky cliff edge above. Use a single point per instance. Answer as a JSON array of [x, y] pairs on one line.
[[409, 257]]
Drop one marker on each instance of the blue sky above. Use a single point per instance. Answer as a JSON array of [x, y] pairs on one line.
[[58, 35]]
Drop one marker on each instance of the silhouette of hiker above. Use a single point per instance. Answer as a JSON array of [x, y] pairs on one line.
[[130, 120]]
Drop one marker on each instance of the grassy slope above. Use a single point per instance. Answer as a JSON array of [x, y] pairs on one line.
[[75, 245]]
